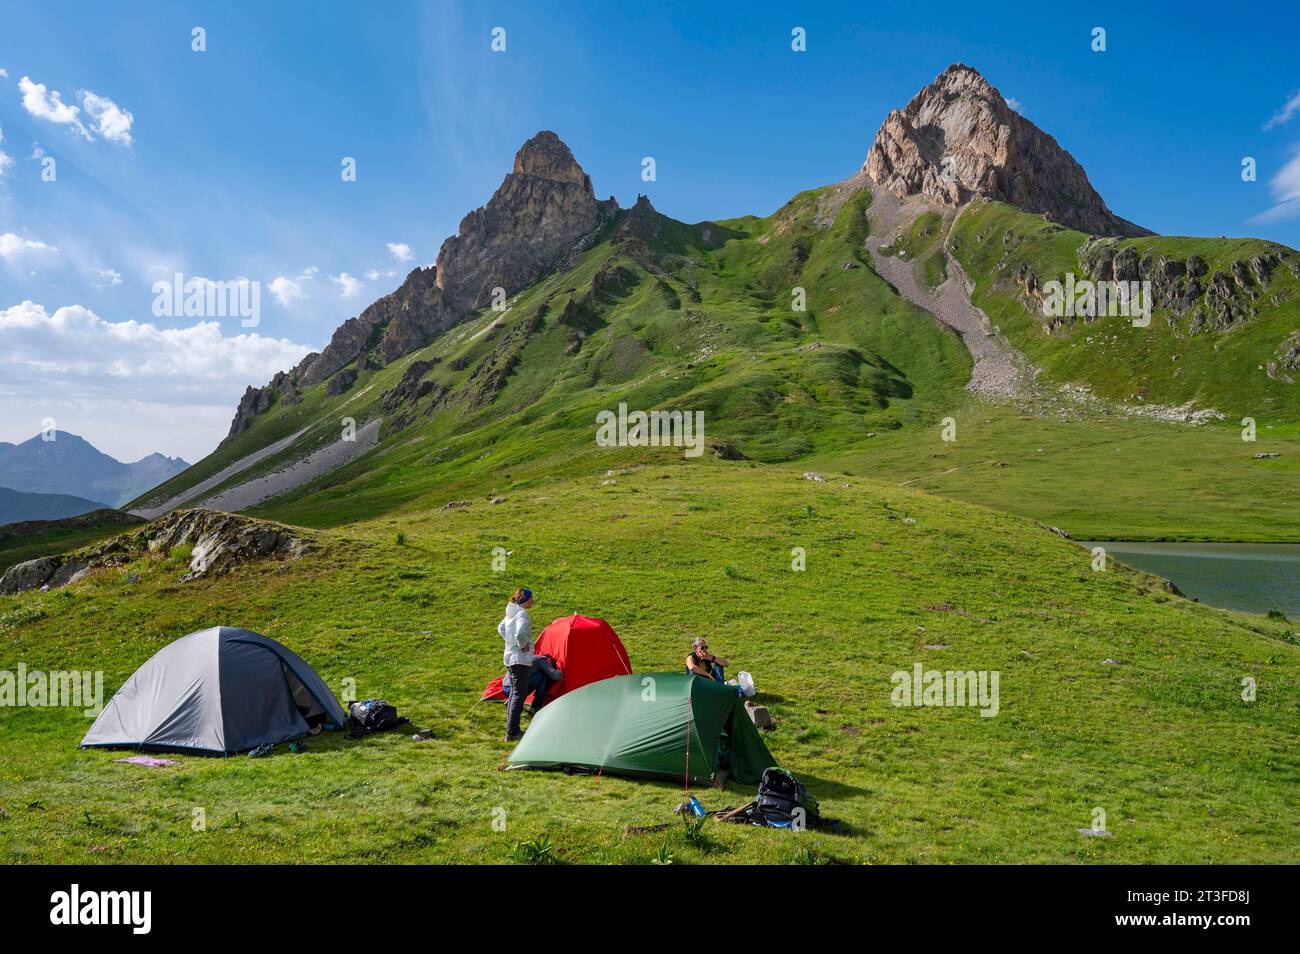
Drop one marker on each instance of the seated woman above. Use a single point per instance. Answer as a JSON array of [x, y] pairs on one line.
[[701, 662]]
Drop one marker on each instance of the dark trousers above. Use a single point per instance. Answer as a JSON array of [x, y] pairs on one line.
[[716, 671], [544, 676], [515, 702]]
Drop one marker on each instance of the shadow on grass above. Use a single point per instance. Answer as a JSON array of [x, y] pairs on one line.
[[825, 789]]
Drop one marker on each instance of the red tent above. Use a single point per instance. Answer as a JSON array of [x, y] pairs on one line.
[[585, 649]]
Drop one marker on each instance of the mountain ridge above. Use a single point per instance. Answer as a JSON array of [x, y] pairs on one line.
[[19, 506], [634, 303], [69, 464], [546, 205], [543, 208]]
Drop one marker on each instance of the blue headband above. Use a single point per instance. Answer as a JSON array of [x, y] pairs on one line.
[[525, 594]]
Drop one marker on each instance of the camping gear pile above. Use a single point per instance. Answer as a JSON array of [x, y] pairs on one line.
[[782, 802], [373, 715]]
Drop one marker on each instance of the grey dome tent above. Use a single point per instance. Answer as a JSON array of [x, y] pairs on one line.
[[218, 691]]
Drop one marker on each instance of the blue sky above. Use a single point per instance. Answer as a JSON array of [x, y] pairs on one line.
[[226, 163]]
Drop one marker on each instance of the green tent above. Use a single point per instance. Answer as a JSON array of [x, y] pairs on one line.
[[638, 725]]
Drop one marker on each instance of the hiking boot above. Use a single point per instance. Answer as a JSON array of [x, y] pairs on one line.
[[515, 737]]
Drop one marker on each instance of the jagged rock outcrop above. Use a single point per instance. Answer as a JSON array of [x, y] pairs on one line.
[[219, 542], [643, 221], [489, 375], [401, 400], [1287, 361], [958, 140], [255, 401], [1214, 304], [543, 209], [341, 382]]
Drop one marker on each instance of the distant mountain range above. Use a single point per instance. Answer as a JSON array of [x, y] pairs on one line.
[[17, 506], [65, 476]]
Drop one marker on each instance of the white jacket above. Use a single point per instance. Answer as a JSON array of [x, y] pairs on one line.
[[516, 630]]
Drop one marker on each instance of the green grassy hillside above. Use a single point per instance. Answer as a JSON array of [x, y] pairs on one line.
[[1096, 475], [1236, 352], [659, 315], [663, 315], [1184, 769]]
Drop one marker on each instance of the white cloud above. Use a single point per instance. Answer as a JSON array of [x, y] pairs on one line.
[[77, 342], [108, 277], [349, 286], [1285, 187], [401, 251], [287, 289], [110, 120], [6, 160], [1016, 104], [48, 104], [1283, 115], [4, 73], [375, 274], [13, 247], [37, 150], [129, 387]]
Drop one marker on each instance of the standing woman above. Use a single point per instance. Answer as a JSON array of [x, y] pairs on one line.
[[516, 631]]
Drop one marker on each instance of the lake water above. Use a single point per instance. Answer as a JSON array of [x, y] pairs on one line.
[[1254, 577]]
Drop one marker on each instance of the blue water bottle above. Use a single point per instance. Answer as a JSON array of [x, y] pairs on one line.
[[696, 807]]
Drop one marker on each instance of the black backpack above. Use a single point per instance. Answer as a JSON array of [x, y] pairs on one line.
[[372, 715], [780, 794]]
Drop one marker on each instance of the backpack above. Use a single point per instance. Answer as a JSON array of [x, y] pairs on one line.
[[373, 715], [780, 794]]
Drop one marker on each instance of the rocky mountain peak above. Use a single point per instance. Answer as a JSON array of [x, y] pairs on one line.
[[540, 211], [547, 157], [543, 210], [958, 140]]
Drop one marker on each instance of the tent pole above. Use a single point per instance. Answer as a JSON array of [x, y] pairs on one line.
[[689, 715]]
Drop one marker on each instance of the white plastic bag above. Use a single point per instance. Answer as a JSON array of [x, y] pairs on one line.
[[746, 682]]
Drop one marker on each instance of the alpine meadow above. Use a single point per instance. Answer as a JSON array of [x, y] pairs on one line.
[[939, 515]]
